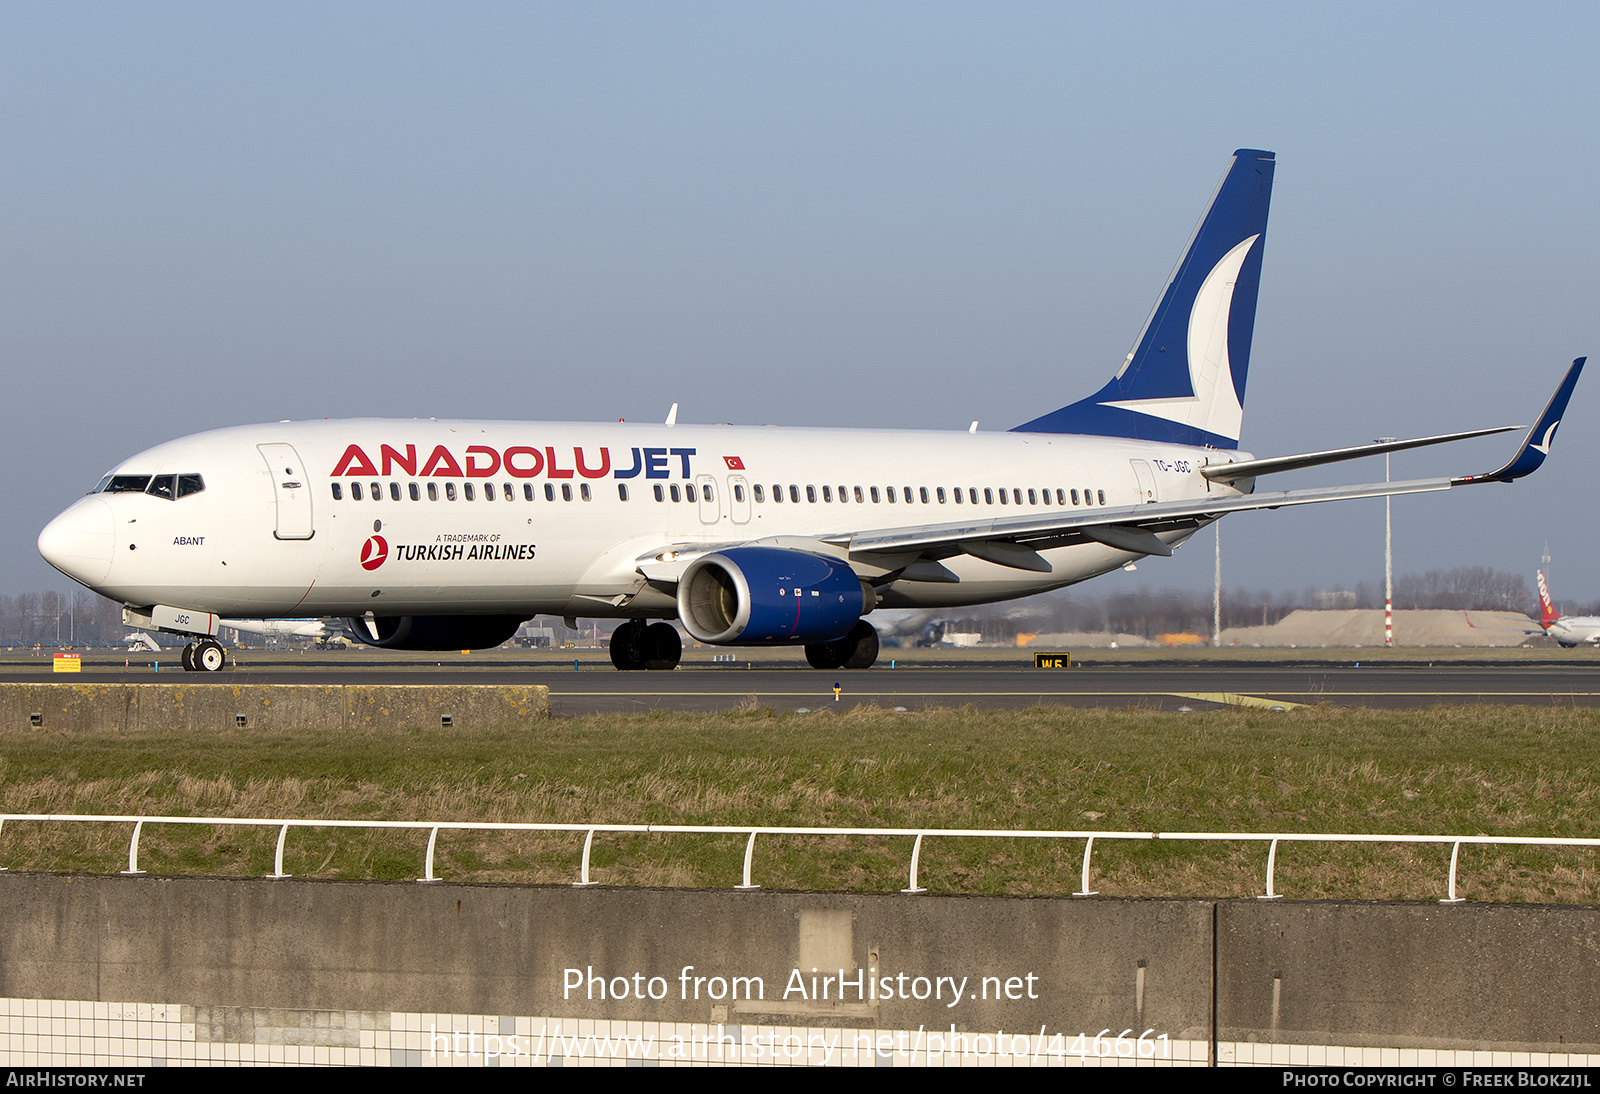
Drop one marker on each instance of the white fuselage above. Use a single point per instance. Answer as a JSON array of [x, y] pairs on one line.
[[1575, 630], [342, 518]]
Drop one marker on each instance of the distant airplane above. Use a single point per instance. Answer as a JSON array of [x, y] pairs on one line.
[[434, 535], [1567, 631]]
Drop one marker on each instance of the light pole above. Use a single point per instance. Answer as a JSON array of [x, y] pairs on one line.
[[1216, 594], [1388, 554]]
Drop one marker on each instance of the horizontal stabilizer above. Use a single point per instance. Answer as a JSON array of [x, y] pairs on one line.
[[1249, 469]]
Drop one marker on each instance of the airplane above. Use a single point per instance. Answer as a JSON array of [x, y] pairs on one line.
[[1568, 631], [436, 535]]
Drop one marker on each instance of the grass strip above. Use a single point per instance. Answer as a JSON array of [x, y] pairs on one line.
[[1492, 770]]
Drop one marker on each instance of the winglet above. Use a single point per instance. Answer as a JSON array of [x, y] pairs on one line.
[[1536, 445]]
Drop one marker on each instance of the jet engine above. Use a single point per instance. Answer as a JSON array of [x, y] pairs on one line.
[[769, 596], [435, 632]]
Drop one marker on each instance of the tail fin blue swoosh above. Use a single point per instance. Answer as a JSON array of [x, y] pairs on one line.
[[1184, 380]]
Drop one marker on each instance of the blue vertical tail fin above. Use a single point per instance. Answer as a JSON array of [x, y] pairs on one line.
[[1184, 379]]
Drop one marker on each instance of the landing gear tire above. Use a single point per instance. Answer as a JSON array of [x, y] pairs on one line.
[[662, 647], [627, 642], [188, 658], [208, 656], [636, 646], [856, 650]]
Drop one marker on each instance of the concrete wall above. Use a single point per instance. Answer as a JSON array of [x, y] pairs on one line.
[[114, 708], [1424, 975], [1469, 976]]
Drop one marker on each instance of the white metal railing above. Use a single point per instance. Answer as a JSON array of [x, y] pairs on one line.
[[433, 828]]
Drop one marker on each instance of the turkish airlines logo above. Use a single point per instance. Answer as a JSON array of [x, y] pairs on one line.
[[734, 463], [374, 552]]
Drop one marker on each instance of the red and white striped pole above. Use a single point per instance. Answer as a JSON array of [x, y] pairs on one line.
[[1388, 557]]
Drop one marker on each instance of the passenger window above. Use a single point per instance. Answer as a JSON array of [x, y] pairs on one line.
[[689, 492], [338, 493], [906, 493], [550, 492], [923, 491], [510, 494], [858, 496], [1016, 495], [811, 494], [449, 491], [1074, 497], [416, 495], [190, 484], [958, 496], [377, 491], [673, 490], [469, 491], [394, 491], [760, 493], [874, 495], [622, 491], [794, 493], [1002, 495], [660, 496], [1032, 500], [488, 491], [1061, 496], [888, 492], [706, 490], [988, 495], [844, 495], [355, 491], [777, 492], [163, 486], [738, 492], [433, 491], [583, 491], [566, 491], [1088, 497], [972, 494], [1100, 496], [527, 491], [827, 493]]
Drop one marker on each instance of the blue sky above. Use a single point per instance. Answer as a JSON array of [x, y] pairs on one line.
[[903, 215]]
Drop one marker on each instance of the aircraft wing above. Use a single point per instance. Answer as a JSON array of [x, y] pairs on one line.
[[1016, 541]]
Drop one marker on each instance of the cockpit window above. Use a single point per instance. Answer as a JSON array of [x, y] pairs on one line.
[[127, 484], [170, 487]]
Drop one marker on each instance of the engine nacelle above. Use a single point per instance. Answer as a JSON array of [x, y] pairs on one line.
[[436, 632], [754, 596]]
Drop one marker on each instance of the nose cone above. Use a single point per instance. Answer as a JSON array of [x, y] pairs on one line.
[[79, 541]]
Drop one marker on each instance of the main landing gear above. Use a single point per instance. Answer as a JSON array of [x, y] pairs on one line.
[[856, 650], [204, 656], [635, 645]]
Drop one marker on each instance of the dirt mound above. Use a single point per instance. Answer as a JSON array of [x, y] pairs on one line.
[[1365, 628]]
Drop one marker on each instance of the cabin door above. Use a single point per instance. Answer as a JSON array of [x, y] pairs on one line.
[[292, 489]]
